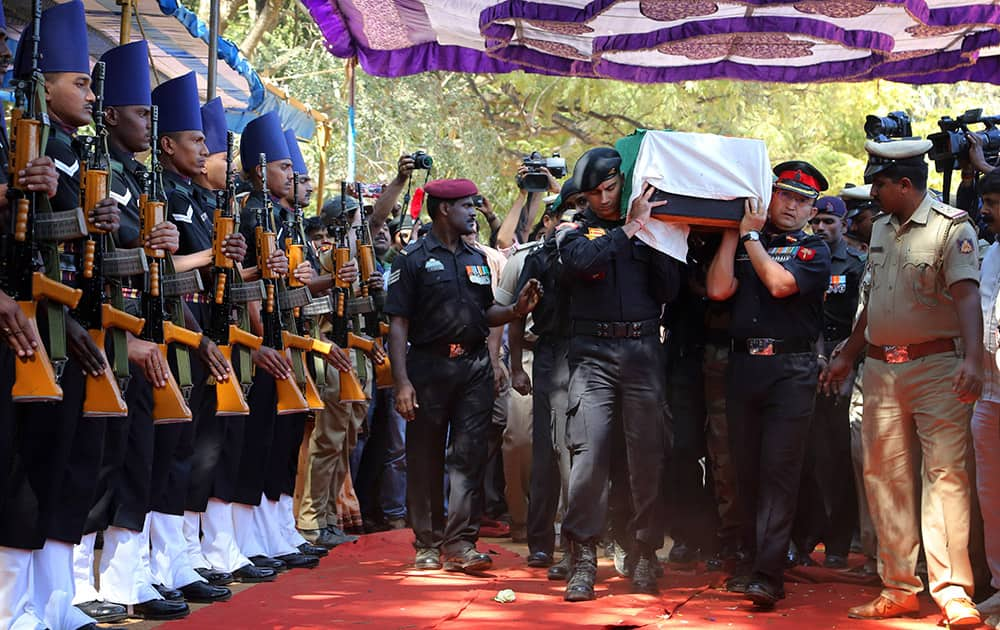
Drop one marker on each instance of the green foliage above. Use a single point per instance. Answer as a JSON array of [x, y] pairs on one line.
[[480, 126]]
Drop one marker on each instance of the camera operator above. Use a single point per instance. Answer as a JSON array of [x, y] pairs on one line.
[[967, 197], [517, 223]]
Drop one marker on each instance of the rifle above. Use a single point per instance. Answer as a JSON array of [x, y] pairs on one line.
[[290, 398], [366, 266], [169, 402], [103, 394], [37, 230], [350, 387], [223, 328]]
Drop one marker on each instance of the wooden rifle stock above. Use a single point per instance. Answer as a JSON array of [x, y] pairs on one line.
[[103, 398], [303, 344], [229, 394], [168, 401], [34, 378]]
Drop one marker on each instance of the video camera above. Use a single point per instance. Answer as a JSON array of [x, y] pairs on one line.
[[535, 180], [951, 143], [422, 161], [893, 125]]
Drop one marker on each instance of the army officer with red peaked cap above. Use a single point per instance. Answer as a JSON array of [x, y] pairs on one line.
[[776, 276]]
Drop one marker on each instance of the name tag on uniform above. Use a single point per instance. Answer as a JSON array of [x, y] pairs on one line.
[[478, 274], [595, 232], [433, 264], [782, 254], [838, 284]]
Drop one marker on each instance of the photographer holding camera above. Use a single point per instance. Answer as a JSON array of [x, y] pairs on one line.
[[535, 175]]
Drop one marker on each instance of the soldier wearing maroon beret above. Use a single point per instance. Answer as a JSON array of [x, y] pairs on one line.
[[440, 301]]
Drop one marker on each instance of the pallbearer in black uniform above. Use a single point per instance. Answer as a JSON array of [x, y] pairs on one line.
[[777, 276], [617, 287], [828, 509], [122, 501], [440, 302], [62, 455], [18, 340], [182, 149]]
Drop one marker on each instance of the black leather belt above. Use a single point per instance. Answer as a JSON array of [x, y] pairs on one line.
[[451, 350], [617, 330], [767, 346]]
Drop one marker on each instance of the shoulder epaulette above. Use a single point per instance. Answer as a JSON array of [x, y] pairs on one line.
[[952, 213], [857, 253]]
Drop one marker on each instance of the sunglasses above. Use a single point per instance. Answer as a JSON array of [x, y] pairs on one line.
[[824, 221]]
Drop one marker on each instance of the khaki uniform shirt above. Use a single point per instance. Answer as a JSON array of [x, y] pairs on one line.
[[910, 268]]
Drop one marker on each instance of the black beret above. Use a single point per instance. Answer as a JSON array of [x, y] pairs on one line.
[[596, 166]]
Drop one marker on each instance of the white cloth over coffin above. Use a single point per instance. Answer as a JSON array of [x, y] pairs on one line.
[[700, 165]]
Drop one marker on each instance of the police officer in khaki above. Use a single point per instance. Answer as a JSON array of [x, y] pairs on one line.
[[923, 328]]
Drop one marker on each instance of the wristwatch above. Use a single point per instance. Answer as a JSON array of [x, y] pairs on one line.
[[752, 235]]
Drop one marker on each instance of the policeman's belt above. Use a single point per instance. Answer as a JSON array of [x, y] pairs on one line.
[[912, 352], [617, 330], [766, 346], [451, 350]]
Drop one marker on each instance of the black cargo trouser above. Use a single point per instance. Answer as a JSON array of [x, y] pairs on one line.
[[449, 430], [616, 387], [769, 403], [550, 388]]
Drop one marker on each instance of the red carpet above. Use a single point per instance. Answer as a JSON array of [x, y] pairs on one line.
[[370, 584]]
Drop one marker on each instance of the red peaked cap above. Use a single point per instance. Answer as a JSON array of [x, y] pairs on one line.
[[450, 188]]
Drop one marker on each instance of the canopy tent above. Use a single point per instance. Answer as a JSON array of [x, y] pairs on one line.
[[650, 41]]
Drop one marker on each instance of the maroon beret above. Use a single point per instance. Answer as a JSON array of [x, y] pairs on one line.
[[450, 188], [831, 205]]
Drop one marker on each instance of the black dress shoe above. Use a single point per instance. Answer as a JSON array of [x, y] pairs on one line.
[[264, 562], [764, 594], [427, 559], [738, 583], [204, 593], [103, 612], [215, 578], [539, 560], [169, 594], [159, 610], [560, 570], [299, 561], [251, 574], [313, 550], [469, 560]]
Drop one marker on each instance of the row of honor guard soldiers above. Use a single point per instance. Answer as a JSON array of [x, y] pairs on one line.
[[162, 346]]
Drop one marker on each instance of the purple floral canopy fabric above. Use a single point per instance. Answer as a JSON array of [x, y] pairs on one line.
[[651, 41]]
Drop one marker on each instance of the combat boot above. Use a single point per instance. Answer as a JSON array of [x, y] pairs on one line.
[[644, 575], [581, 581]]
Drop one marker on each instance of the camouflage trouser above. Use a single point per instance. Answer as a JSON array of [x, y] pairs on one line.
[[717, 441], [869, 541]]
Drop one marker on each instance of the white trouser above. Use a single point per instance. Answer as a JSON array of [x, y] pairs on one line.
[[267, 516], [83, 570], [249, 537], [192, 540], [168, 556], [125, 571], [16, 611], [288, 529], [52, 587], [986, 440], [219, 545]]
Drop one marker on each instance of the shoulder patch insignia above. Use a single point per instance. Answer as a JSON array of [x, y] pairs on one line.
[[965, 246], [806, 254], [595, 232], [123, 200], [393, 277]]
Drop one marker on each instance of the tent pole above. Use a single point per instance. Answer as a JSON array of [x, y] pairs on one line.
[[351, 132], [323, 135], [213, 49], [125, 30]]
